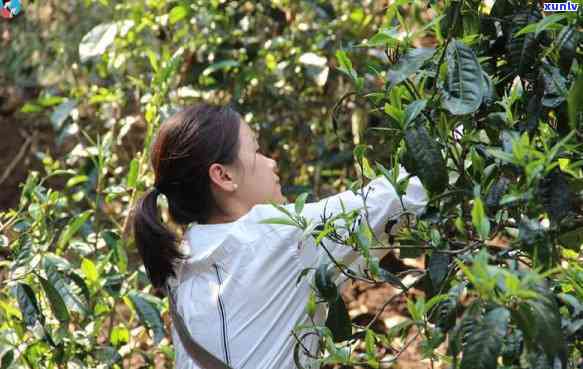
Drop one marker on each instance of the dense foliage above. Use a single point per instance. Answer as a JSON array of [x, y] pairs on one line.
[[483, 102], [491, 122]]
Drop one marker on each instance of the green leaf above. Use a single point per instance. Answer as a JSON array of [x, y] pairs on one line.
[[555, 195], [425, 152], [300, 201], [31, 108], [523, 49], [389, 277], [324, 283], [575, 108], [345, 64], [497, 190], [7, 359], [369, 341], [96, 41], [391, 176], [572, 239], [107, 355], [552, 154], [283, 209], [120, 335], [573, 301], [363, 238], [427, 26], [61, 113], [49, 100], [89, 270], [529, 28], [308, 230], [452, 24], [154, 60], [223, 64], [538, 360], [171, 66], [555, 86], [338, 320], [512, 347], [56, 301], [438, 268], [413, 110], [61, 284], [283, 221], [464, 88], [409, 64], [28, 305], [435, 300], [74, 181], [367, 170], [483, 345], [79, 286], [489, 95], [323, 233], [72, 228], [148, 313], [359, 151], [385, 37], [541, 25], [113, 282], [115, 244], [566, 42], [36, 352], [547, 332], [178, 13], [417, 308], [396, 113], [480, 220], [133, 173], [446, 309], [311, 305], [502, 155], [534, 239]]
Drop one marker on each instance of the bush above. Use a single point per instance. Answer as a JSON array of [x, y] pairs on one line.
[[491, 122]]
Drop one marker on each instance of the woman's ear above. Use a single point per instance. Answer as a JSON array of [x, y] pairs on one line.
[[221, 176]]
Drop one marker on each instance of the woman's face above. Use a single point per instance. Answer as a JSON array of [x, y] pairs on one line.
[[255, 177], [259, 182]]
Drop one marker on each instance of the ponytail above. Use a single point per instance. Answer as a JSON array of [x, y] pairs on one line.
[[157, 245], [184, 147]]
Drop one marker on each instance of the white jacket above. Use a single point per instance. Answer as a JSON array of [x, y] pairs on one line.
[[237, 291]]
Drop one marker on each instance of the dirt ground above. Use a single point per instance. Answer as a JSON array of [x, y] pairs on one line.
[[20, 139], [11, 172]]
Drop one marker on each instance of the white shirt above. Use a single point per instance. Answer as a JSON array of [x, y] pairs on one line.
[[237, 291]]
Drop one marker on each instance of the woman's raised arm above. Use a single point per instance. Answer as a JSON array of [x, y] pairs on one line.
[[382, 203]]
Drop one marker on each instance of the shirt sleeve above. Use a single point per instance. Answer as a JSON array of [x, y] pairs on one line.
[[382, 203]]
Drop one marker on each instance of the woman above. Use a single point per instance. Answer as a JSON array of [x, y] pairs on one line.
[[233, 278]]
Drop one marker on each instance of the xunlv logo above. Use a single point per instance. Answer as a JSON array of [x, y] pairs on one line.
[[561, 7]]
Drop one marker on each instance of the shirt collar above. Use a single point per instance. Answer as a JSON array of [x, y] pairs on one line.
[[207, 244], [203, 239]]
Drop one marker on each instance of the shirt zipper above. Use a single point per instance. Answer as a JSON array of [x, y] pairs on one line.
[[223, 318]]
